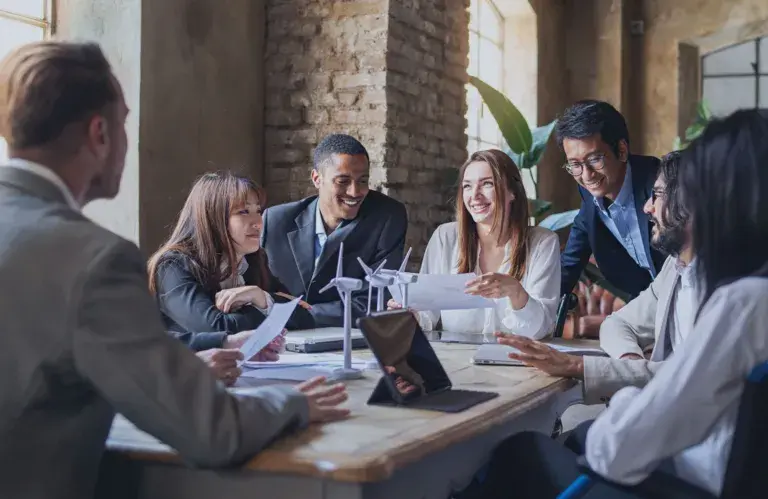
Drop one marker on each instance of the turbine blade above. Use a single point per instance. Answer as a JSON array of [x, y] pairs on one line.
[[366, 268], [341, 256], [370, 297], [405, 260], [381, 265], [328, 286]]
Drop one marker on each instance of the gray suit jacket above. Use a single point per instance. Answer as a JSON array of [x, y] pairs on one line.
[[82, 338], [636, 328]]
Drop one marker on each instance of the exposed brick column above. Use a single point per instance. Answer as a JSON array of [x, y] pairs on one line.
[[390, 73]]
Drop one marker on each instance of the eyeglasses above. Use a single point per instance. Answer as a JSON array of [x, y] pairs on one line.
[[594, 163]]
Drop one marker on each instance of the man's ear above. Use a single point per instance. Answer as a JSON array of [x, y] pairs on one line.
[[98, 136], [316, 177], [623, 151]]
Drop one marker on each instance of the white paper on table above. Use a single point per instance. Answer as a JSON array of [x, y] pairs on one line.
[[304, 359], [268, 330], [441, 292]]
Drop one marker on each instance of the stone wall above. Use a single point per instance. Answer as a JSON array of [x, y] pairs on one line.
[[427, 70], [390, 73]]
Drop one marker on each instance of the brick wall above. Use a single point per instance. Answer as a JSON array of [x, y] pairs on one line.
[[389, 72]]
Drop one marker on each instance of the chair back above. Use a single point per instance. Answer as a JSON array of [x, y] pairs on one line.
[[567, 301], [745, 476]]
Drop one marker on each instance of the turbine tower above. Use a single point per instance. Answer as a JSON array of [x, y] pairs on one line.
[[345, 286], [402, 278]]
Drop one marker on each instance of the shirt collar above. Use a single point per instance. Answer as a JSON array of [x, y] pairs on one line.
[[625, 194], [319, 227], [687, 272], [47, 174]]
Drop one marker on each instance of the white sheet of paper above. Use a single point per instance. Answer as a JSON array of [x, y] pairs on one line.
[[499, 353], [268, 330], [441, 292]]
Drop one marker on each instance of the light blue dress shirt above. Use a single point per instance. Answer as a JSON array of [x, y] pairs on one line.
[[320, 235], [621, 220]]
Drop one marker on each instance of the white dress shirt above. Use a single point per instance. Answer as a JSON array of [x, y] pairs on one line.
[[688, 411], [541, 281], [685, 304], [47, 174], [320, 235]]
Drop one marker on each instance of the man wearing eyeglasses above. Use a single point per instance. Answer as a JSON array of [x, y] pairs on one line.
[[614, 185]]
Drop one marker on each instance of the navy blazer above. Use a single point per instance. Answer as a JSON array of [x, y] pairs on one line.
[[590, 236], [288, 236]]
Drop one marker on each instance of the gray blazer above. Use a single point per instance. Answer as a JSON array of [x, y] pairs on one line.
[[639, 326], [82, 338]]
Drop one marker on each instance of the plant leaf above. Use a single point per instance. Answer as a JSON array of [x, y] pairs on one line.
[[538, 207], [511, 122], [559, 221], [540, 140], [703, 111], [677, 144], [520, 159]]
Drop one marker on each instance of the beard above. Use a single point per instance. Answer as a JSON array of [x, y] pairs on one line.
[[668, 240]]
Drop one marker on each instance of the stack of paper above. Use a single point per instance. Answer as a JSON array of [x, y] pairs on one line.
[[298, 367], [441, 292]]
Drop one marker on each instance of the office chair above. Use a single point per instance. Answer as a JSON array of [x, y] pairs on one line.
[[745, 476], [567, 302]]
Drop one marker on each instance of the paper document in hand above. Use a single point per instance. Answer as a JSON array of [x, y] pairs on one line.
[[272, 326], [441, 292]]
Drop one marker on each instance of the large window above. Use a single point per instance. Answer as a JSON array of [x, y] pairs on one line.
[[22, 21], [736, 77], [486, 57]]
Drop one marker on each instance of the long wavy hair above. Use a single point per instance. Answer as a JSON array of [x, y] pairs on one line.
[[202, 231], [510, 221]]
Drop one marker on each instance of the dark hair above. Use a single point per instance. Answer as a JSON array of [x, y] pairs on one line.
[[674, 213], [724, 183], [591, 117], [45, 86], [337, 144], [513, 221], [202, 231]]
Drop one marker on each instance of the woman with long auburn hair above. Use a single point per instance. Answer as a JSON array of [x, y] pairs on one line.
[[518, 266], [211, 278]]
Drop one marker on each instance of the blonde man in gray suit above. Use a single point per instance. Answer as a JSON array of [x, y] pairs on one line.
[[657, 320], [81, 337]]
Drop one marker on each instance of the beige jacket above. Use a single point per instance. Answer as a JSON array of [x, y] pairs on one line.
[[636, 328]]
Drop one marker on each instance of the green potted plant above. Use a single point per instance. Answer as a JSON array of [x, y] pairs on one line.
[[700, 122]]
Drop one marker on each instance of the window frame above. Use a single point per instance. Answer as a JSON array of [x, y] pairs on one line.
[[755, 75], [47, 22], [474, 138]]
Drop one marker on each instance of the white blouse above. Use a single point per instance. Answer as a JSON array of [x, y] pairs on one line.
[[541, 281]]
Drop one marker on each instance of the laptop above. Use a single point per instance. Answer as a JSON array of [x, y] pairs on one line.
[[321, 340], [494, 354], [412, 374]]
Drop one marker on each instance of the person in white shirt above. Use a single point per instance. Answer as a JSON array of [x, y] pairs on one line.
[[683, 421], [517, 265]]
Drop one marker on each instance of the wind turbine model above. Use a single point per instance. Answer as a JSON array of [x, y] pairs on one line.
[[402, 279], [376, 279], [345, 286]]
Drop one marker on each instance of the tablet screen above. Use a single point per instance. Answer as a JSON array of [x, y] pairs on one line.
[[404, 354]]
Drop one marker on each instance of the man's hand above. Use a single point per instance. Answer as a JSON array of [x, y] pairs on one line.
[[223, 363], [536, 354], [324, 401], [228, 300]]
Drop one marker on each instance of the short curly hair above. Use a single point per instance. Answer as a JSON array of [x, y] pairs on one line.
[[337, 143]]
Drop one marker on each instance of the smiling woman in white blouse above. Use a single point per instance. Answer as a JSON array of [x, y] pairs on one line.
[[518, 266]]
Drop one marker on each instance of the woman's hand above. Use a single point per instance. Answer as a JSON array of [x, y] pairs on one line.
[[393, 305], [229, 300], [494, 285], [271, 352]]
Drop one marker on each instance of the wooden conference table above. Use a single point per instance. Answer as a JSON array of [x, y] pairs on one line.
[[379, 452]]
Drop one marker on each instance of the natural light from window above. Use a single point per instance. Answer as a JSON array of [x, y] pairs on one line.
[[486, 61], [736, 77], [21, 21]]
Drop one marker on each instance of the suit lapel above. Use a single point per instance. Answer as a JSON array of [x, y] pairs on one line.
[[332, 243], [302, 243], [662, 322], [641, 194]]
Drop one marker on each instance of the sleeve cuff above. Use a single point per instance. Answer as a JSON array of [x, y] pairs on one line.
[[270, 303], [525, 321], [206, 341]]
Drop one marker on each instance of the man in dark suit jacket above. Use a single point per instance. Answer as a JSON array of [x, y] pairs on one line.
[[302, 238], [614, 185]]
